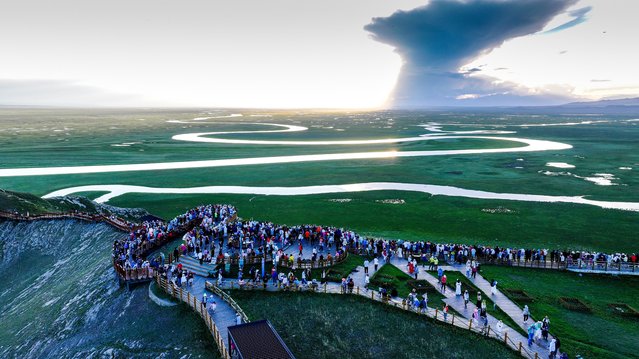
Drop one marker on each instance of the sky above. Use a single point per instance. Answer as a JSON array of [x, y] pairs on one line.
[[316, 54]]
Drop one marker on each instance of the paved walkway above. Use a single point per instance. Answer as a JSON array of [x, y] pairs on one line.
[[457, 303], [225, 314]]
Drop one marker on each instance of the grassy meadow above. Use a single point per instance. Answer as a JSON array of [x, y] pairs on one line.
[[602, 328], [33, 138], [348, 326]]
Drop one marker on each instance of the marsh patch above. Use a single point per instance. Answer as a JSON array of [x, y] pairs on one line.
[[518, 295], [624, 310], [574, 304]]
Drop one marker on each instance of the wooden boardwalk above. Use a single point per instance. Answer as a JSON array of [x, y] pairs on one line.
[[457, 303], [511, 338]]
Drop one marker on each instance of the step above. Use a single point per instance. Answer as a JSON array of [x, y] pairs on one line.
[[199, 271], [197, 268]]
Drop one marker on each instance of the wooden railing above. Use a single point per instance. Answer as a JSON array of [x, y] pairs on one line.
[[227, 298], [434, 313], [308, 264], [199, 307], [569, 264], [115, 222], [134, 274], [147, 247], [284, 261]]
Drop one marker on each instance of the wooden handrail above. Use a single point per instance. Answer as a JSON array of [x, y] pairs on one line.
[[200, 308]]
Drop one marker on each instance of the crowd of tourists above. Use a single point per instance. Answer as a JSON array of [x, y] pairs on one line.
[[132, 251], [216, 240], [213, 234], [461, 253]]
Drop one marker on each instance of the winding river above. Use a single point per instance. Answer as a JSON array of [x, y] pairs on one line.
[[435, 133]]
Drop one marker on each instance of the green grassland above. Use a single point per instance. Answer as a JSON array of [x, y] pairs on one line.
[[599, 332], [81, 137], [347, 326]]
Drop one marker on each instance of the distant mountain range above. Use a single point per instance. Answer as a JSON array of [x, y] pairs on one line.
[[626, 102], [627, 106]]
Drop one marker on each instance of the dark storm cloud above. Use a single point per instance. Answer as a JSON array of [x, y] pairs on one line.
[[436, 40]]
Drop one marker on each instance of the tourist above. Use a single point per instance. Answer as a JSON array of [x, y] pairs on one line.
[[443, 284], [366, 264], [552, 348], [458, 288], [466, 299], [445, 311], [468, 268], [499, 328], [376, 263], [425, 303], [351, 285], [483, 314], [238, 319], [493, 288], [531, 334], [526, 312], [475, 316], [478, 299], [367, 281], [545, 325], [557, 345], [204, 299], [537, 331], [213, 307]]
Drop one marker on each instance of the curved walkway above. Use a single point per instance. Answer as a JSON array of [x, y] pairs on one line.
[[512, 338], [457, 303]]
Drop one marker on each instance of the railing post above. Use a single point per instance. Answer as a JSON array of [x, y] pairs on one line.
[[506, 337], [357, 290], [436, 312], [519, 350], [536, 355], [453, 322], [470, 324]]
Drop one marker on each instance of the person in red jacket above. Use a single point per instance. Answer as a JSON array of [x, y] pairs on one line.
[[443, 283]]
